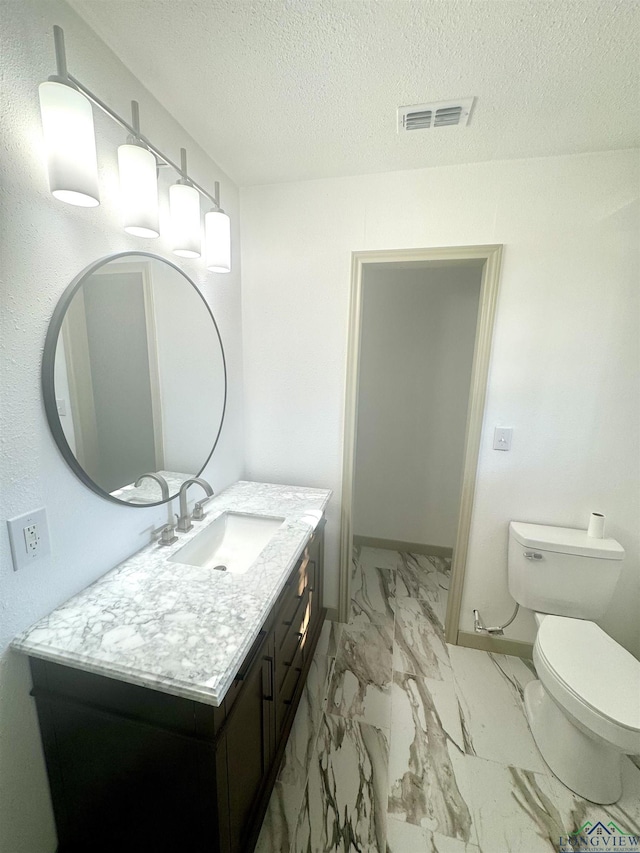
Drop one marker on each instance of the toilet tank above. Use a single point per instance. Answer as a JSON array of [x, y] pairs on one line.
[[561, 570]]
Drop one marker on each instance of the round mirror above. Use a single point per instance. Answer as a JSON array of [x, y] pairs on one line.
[[134, 377]]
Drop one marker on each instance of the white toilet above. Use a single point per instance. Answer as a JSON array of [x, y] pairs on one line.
[[584, 712]]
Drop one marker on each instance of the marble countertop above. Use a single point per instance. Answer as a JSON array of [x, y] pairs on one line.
[[177, 628]]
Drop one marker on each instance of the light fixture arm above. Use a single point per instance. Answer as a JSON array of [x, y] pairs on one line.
[[135, 123], [61, 54], [63, 76], [183, 168]]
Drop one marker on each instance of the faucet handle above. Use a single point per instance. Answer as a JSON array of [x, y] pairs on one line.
[[167, 534], [198, 509]]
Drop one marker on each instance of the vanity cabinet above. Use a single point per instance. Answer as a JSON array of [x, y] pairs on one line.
[[134, 769], [248, 744]]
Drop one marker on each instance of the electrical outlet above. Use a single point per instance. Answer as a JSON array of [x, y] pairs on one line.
[[29, 537], [32, 539]]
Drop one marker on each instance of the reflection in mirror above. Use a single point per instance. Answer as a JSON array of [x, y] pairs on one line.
[[139, 377]]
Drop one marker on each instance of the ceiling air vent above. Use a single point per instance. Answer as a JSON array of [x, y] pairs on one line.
[[441, 114]]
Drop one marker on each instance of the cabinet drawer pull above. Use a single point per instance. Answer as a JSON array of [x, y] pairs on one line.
[[269, 698], [289, 622], [242, 675], [289, 701], [299, 635], [311, 575]]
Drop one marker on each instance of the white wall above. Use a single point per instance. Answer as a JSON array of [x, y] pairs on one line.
[[43, 245], [416, 352], [191, 377], [565, 356]]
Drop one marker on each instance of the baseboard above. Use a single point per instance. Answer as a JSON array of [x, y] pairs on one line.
[[332, 614], [406, 547], [500, 645]]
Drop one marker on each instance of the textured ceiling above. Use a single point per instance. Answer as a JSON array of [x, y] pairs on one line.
[[279, 90]]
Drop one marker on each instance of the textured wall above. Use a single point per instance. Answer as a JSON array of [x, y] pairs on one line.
[[418, 334], [43, 245], [564, 366]]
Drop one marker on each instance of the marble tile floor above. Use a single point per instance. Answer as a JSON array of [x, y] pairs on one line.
[[405, 744]]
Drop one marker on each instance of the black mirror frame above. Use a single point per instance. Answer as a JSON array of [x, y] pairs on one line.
[[48, 368]]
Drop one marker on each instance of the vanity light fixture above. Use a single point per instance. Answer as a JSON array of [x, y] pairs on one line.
[[67, 120], [138, 183], [184, 204], [217, 237]]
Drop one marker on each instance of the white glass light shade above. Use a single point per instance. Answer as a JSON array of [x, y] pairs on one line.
[[139, 190], [217, 230], [67, 122], [184, 202]]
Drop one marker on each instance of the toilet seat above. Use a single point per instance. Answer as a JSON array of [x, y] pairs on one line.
[[595, 679]]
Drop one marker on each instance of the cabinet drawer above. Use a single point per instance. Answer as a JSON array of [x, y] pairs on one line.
[[288, 686], [290, 615], [292, 683], [298, 579], [286, 658], [291, 611]]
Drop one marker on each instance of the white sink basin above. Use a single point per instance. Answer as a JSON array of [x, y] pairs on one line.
[[230, 543]]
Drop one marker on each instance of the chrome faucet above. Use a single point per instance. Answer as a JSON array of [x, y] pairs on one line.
[[164, 486], [167, 531], [184, 520]]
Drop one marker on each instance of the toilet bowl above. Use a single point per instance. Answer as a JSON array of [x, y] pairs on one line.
[[584, 711]]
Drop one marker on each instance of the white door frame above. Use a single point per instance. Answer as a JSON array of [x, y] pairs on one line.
[[491, 255]]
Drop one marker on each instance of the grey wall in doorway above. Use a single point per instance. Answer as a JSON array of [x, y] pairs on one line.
[[119, 359], [418, 334]]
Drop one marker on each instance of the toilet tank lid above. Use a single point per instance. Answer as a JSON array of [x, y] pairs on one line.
[[565, 540]]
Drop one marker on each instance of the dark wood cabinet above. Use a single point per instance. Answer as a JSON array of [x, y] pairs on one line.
[[249, 745], [132, 769]]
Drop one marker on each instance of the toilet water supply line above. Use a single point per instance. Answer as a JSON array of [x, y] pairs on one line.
[[480, 628]]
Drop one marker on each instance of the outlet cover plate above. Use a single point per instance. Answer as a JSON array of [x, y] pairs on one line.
[[39, 540]]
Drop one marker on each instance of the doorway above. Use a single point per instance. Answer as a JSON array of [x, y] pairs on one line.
[[409, 476]]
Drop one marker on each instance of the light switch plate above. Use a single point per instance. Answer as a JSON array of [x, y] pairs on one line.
[[29, 538], [502, 438]]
